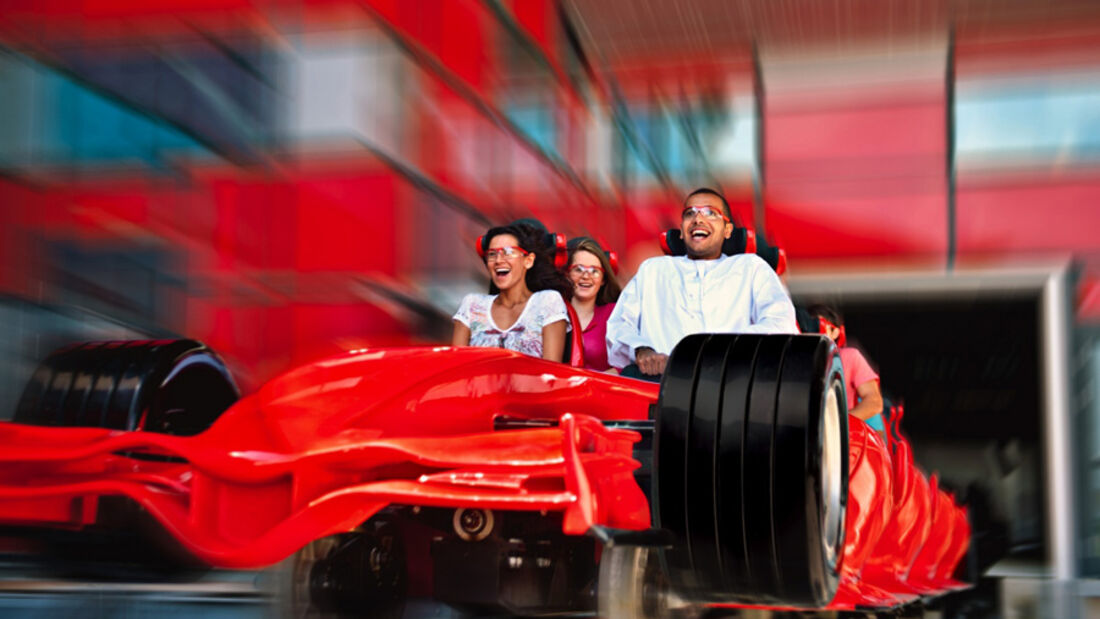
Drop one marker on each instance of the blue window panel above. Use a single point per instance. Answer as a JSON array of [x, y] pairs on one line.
[[78, 126], [643, 130], [537, 123], [663, 135], [1036, 123]]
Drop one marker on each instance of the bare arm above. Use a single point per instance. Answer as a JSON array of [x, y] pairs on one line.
[[461, 335], [553, 340], [870, 401]]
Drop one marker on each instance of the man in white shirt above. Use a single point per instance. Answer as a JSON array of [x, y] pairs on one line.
[[671, 297]]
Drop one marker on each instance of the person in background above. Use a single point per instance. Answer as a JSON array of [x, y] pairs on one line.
[[862, 382], [525, 308], [671, 297], [595, 291]]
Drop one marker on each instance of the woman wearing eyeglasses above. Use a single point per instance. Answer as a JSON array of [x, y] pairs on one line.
[[594, 294], [525, 308]]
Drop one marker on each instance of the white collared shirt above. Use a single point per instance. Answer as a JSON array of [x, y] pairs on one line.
[[671, 297]]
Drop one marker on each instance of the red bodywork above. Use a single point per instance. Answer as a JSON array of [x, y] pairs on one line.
[[321, 449], [905, 536]]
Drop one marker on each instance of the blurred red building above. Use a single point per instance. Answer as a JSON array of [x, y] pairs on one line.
[[304, 176], [288, 179]]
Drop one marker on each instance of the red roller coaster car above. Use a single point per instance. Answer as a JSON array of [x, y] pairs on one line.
[[512, 483]]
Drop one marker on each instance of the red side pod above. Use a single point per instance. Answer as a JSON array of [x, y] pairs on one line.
[[923, 492], [870, 494], [960, 543], [928, 534], [870, 506], [928, 561], [928, 555], [907, 529]]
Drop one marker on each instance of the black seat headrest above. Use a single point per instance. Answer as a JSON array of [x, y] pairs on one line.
[[807, 322], [742, 241], [774, 255]]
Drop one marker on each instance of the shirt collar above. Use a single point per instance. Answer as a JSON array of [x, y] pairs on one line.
[[701, 266]]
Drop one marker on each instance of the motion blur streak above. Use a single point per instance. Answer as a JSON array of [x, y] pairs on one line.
[[289, 179]]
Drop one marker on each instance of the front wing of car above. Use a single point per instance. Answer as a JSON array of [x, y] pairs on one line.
[[244, 509]]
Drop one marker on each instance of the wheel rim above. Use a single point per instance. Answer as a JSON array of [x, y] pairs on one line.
[[832, 470], [632, 585], [655, 587], [307, 581]]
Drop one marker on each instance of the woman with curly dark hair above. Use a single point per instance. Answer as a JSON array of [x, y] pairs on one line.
[[525, 308], [595, 291]]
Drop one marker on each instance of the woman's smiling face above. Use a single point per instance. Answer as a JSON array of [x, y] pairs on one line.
[[507, 262], [586, 279]]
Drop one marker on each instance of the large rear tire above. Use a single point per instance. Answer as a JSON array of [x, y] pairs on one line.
[[169, 386], [750, 461]]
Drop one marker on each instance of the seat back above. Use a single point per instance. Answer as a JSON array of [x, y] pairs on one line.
[[774, 255], [808, 323], [574, 343], [742, 241]]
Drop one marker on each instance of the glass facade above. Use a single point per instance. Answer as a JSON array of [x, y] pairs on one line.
[[61, 123], [1045, 121]]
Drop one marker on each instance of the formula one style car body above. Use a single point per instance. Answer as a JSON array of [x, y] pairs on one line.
[[514, 482]]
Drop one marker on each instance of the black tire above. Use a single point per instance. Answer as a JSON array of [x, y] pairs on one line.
[[674, 414], [358, 574], [751, 468], [169, 386]]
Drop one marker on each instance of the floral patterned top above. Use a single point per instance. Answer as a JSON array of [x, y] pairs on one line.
[[543, 308]]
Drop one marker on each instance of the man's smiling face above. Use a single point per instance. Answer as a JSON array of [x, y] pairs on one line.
[[703, 235]]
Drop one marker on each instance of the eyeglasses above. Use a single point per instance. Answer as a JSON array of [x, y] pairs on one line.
[[580, 270], [706, 211], [504, 253]]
